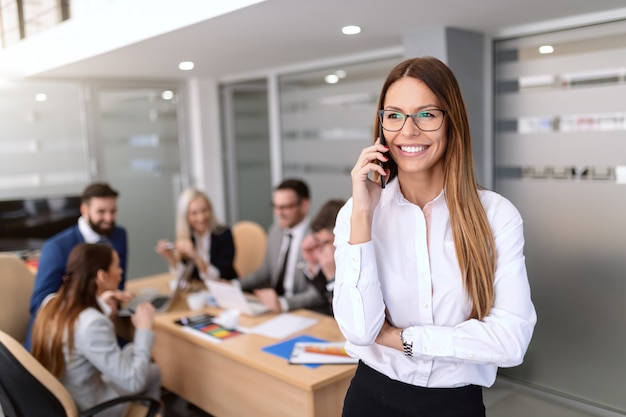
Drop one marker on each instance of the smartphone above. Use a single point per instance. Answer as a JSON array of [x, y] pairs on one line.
[[200, 319], [383, 178]]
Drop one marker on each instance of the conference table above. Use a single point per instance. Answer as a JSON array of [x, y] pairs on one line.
[[236, 377]]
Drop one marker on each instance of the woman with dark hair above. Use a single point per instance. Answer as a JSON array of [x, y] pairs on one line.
[[200, 239], [431, 290], [74, 338]]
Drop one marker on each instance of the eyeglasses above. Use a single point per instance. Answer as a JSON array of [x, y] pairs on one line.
[[427, 120], [285, 206]]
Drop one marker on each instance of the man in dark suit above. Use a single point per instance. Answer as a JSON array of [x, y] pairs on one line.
[[280, 282], [96, 225]]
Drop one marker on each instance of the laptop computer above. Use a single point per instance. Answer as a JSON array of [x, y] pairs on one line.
[[161, 302], [229, 295]]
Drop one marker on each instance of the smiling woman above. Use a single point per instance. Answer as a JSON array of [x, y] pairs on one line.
[[431, 239], [200, 239]]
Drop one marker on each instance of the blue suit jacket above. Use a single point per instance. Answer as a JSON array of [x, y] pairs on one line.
[[53, 261]]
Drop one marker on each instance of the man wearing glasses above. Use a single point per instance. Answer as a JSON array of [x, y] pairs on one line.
[[280, 283]]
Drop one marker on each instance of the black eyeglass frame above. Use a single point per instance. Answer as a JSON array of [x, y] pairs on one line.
[[412, 117]]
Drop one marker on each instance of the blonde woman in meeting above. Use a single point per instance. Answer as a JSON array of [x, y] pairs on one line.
[[74, 338], [200, 239]]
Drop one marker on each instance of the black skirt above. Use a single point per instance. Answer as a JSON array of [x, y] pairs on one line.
[[374, 394]]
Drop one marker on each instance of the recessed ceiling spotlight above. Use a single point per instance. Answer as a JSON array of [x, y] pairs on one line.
[[331, 79], [41, 97], [546, 49], [351, 30], [186, 66], [167, 95]]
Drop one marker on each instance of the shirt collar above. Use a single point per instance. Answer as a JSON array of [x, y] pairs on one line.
[[392, 192], [299, 228], [88, 233]]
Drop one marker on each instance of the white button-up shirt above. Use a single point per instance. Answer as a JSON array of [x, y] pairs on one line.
[[409, 272]]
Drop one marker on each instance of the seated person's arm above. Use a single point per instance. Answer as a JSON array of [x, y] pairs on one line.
[[127, 369]]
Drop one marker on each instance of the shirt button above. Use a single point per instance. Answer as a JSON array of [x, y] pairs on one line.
[[354, 270], [425, 362], [471, 356], [424, 349], [426, 305]]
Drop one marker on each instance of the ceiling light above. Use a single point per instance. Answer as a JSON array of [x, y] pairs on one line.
[[41, 97], [167, 95], [351, 30], [546, 49], [186, 66], [331, 79]]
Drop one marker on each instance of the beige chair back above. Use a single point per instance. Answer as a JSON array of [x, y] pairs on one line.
[[250, 242], [16, 286]]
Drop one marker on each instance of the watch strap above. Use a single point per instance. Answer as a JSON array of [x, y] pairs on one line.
[[406, 344]]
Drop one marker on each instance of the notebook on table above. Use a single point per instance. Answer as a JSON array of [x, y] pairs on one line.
[[161, 302], [229, 295]]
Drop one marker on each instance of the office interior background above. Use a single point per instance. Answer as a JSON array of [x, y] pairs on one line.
[[91, 90]]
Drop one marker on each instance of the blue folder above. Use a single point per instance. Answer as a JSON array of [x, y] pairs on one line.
[[284, 348]]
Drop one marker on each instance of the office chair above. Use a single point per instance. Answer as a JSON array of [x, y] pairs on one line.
[[16, 286], [250, 242], [28, 389]]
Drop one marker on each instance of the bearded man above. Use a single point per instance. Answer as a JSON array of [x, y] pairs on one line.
[[96, 224]]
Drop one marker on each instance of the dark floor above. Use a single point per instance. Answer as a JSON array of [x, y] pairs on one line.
[[177, 407]]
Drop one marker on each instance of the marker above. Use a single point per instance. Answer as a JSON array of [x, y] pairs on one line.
[[327, 350]]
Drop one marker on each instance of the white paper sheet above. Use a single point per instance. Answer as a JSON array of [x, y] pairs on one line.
[[283, 325]]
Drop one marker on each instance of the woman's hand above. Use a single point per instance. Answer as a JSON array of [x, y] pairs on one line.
[[144, 316], [365, 193], [113, 298], [165, 248], [185, 248]]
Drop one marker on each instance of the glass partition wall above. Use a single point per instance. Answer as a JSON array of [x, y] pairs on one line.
[[560, 128], [56, 137], [327, 117], [137, 131]]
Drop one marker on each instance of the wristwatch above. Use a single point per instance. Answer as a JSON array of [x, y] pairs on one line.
[[406, 335]]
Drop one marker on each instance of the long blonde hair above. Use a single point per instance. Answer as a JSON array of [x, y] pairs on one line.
[[54, 325], [183, 230], [472, 234]]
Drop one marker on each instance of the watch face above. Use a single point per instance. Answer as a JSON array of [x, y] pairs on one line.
[[407, 334]]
